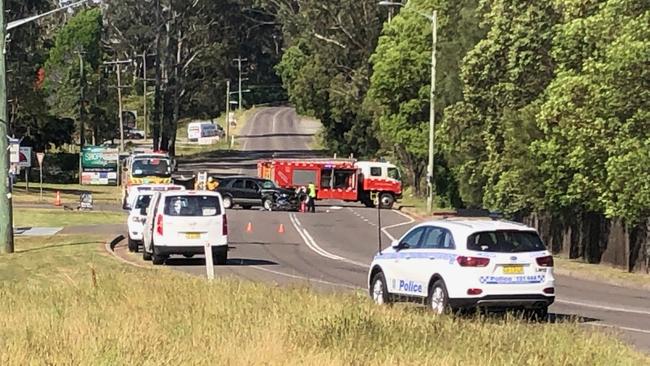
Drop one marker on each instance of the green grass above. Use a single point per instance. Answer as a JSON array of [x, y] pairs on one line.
[[57, 217], [413, 204], [69, 193], [64, 302]]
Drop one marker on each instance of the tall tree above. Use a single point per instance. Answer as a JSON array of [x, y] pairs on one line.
[[504, 73]]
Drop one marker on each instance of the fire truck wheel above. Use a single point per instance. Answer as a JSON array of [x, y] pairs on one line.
[[386, 200]]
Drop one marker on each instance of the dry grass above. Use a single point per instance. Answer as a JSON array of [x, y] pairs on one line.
[[70, 304], [601, 272]]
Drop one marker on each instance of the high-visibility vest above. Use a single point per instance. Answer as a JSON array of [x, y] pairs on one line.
[[312, 191]]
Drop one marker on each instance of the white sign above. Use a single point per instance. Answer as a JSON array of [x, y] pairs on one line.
[[14, 151], [25, 157], [39, 157]]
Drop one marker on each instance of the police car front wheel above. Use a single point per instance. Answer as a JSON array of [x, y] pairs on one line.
[[378, 290], [438, 299]]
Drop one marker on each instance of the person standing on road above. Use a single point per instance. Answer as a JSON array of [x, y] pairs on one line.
[[311, 192]]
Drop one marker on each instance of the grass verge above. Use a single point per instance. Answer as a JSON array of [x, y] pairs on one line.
[[69, 193], [58, 217], [601, 272], [64, 302]]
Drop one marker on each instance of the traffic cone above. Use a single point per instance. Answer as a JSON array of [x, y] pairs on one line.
[[281, 229], [249, 228], [57, 200]]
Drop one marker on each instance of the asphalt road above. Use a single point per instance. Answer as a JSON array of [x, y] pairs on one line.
[[331, 249]]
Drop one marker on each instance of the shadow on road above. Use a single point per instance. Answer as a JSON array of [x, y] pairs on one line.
[[200, 261]]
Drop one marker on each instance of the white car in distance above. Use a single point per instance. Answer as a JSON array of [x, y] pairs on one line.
[[460, 264], [139, 201], [183, 223]]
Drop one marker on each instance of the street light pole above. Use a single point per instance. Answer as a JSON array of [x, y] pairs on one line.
[[227, 109], [6, 219], [432, 116]]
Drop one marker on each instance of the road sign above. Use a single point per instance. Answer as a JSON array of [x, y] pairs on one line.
[[25, 157], [39, 157]]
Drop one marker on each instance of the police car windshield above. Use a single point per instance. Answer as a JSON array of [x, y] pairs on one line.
[[505, 241]]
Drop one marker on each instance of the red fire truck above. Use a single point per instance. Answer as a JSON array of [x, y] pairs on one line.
[[341, 179]]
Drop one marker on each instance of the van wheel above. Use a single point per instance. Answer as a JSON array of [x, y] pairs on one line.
[[145, 255], [220, 258], [386, 200], [438, 299], [379, 290], [133, 246], [227, 202]]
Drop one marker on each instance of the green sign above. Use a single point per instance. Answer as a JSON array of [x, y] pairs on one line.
[[99, 165], [95, 157]]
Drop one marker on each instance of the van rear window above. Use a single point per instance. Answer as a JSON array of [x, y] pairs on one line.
[[192, 206], [505, 241]]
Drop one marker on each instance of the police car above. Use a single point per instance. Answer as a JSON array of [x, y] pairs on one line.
[[465, 263]]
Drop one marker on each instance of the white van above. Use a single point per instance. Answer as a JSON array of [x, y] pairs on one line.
[[182, 222], [197, 130], [141, 196]]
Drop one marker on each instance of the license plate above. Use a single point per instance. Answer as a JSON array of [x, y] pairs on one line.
[[513, 269], [192, 235]]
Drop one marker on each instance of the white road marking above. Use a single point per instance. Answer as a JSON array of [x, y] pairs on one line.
[[306, 278], [385, 228], [603, 325], [603, 307], [311, 243]]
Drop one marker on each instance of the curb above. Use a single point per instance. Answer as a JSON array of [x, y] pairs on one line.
[[109, 246]]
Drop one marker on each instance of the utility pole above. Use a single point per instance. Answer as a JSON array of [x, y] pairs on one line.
[[227, 109], [432, 112], [239, 61], [82, 100], [119, 63], [144, 92], [119, 103], [6, 219]]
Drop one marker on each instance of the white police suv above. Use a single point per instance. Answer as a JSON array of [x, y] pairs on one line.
[[464, 263]]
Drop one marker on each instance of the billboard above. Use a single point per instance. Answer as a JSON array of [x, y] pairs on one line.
[[99, 165]]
